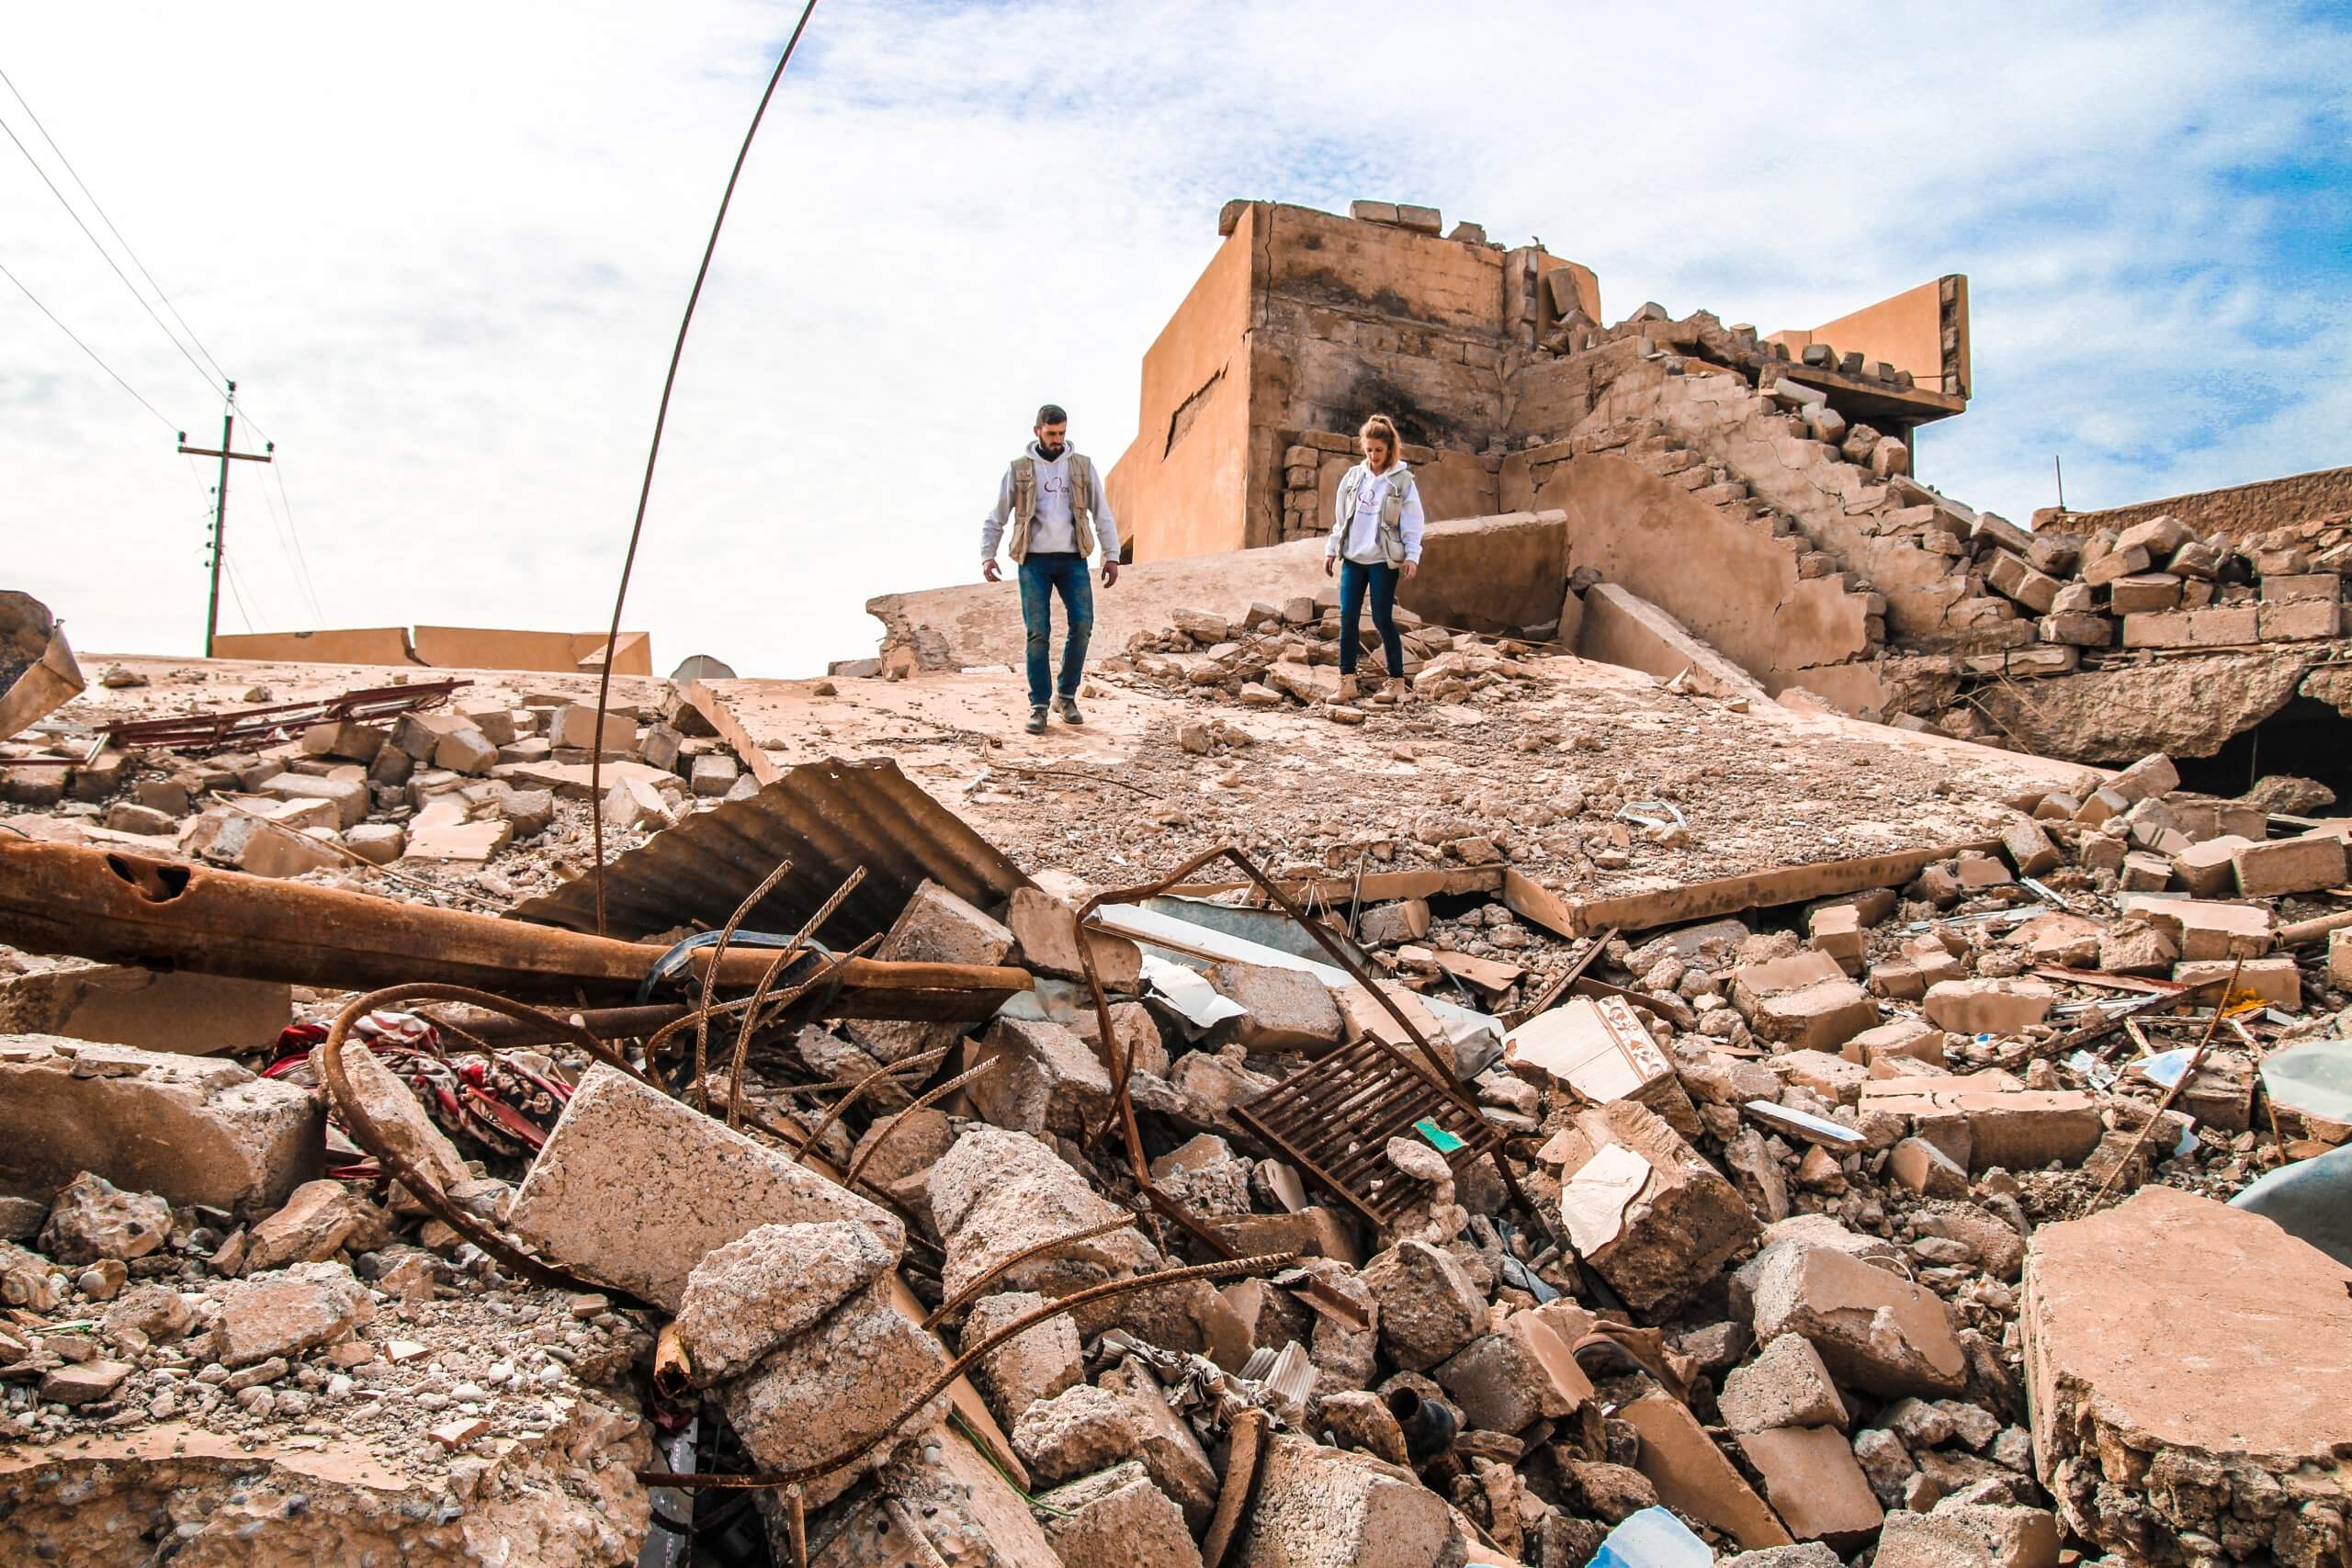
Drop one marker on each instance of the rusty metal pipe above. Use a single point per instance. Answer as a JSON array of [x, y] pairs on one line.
[[124, 908]]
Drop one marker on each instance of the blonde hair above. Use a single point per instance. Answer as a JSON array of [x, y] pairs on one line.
[[1380, 427]]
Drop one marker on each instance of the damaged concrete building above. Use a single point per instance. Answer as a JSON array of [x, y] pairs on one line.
[[1640, 1094]]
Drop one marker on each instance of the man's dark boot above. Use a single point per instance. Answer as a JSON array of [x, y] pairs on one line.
[[1036, 725], [1069, 711]]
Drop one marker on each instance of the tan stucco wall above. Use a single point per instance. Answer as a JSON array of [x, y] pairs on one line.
[[1452, 484], [488, 648], [1190, 497], [2242, 512], [442, 648], [1731, 584], [344, 645], [1387, 271], [1491, 574], [1905, 330]]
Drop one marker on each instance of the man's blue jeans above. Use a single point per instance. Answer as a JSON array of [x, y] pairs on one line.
[[1042, 577], [1380, 578]]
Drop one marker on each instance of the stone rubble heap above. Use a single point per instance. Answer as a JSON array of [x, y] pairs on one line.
[[1848, 1232]]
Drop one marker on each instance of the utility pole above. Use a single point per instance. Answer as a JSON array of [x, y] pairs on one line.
[[220, 503]]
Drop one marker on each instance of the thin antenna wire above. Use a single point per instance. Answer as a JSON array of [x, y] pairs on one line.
[[101, 212], [105, 254], [660, 417], [85, 348]]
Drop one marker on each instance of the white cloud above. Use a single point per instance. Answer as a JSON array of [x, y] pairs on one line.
[[444, 248]]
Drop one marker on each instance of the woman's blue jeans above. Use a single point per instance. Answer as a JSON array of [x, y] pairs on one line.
[[1354, 578]]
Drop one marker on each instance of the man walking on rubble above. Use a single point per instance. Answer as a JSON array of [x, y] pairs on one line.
[[1048, 508]]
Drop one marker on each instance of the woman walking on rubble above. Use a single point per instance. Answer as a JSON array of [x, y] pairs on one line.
[[1376, 541]]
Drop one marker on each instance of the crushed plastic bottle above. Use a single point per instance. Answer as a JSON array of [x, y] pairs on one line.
[[1653, 1538]]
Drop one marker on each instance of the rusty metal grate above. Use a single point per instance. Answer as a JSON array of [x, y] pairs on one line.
[[1334, 1118]]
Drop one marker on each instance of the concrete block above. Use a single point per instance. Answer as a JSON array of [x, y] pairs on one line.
[[2203, 930], [2114, 565], [1045, 1079], [2276, 980], [1814, 1482], [1087, 1428], [1785, 1386], [1924, 1167], [1992, 1534], [606, 1196], [2209, 868], [1874, 1330], [2301, 865], [1988, 1007], [1117, 1519], [2008, 1126], [1522, 1372], [1652, 1217], [389, 1104], [378, 843], [2283, 588], [2148, 594], [998, 1193], [2221, 625], [1046, 931], [846, 1377], [1035, 1364], [1387, 925], [288, 1312], [190, 1129], [177, 1012], [2299, 620], [768, 1287], [1324, 1507], [2028, 847], [344, 738], [465, 750], [348, 796], [575, 727], [713, 774], [2012, 577], [1430, 1308], [1285, 1010]]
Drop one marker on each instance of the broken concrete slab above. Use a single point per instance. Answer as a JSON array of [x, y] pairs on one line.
[[1037, 1364], [1813, 1482], [192, 1129], [1284, 1009], [2164, 1466], [768, 1287], [1086, 1427], [1988, 1007], [602, 1198], [1043, 1078], [1874, 1329], [1652, 1217], [1693, 1477], [997, 1193], [1785, 1386], [288, 1312], [399, 1119], [1117, 1519], [2301, 865], [1325, 1508], [1598, 1051]]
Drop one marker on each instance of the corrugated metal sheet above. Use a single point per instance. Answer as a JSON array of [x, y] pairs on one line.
[[827, 819]]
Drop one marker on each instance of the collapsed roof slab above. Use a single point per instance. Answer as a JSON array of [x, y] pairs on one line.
[[1763, 789]]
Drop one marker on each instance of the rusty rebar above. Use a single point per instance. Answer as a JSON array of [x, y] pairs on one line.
[[791, 951], [998, 1272], [2195, 1061], [1237, 1268], [926, 1059], [710, 975], [898, 1118]]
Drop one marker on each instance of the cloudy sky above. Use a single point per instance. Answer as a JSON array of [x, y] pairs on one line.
[[442, 248]]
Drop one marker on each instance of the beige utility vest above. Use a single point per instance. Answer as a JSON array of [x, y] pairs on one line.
[[1392, 508], [1024, 502]]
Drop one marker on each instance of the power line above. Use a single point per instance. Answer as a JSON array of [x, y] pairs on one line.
[[234, 580], [301, 556], [289, 546], [105, 254], [85, 348], [84, 186]]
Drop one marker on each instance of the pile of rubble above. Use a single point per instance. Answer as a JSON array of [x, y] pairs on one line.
[[1790, 1233], [1289, 654], [2155, 584], [438, 789]]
